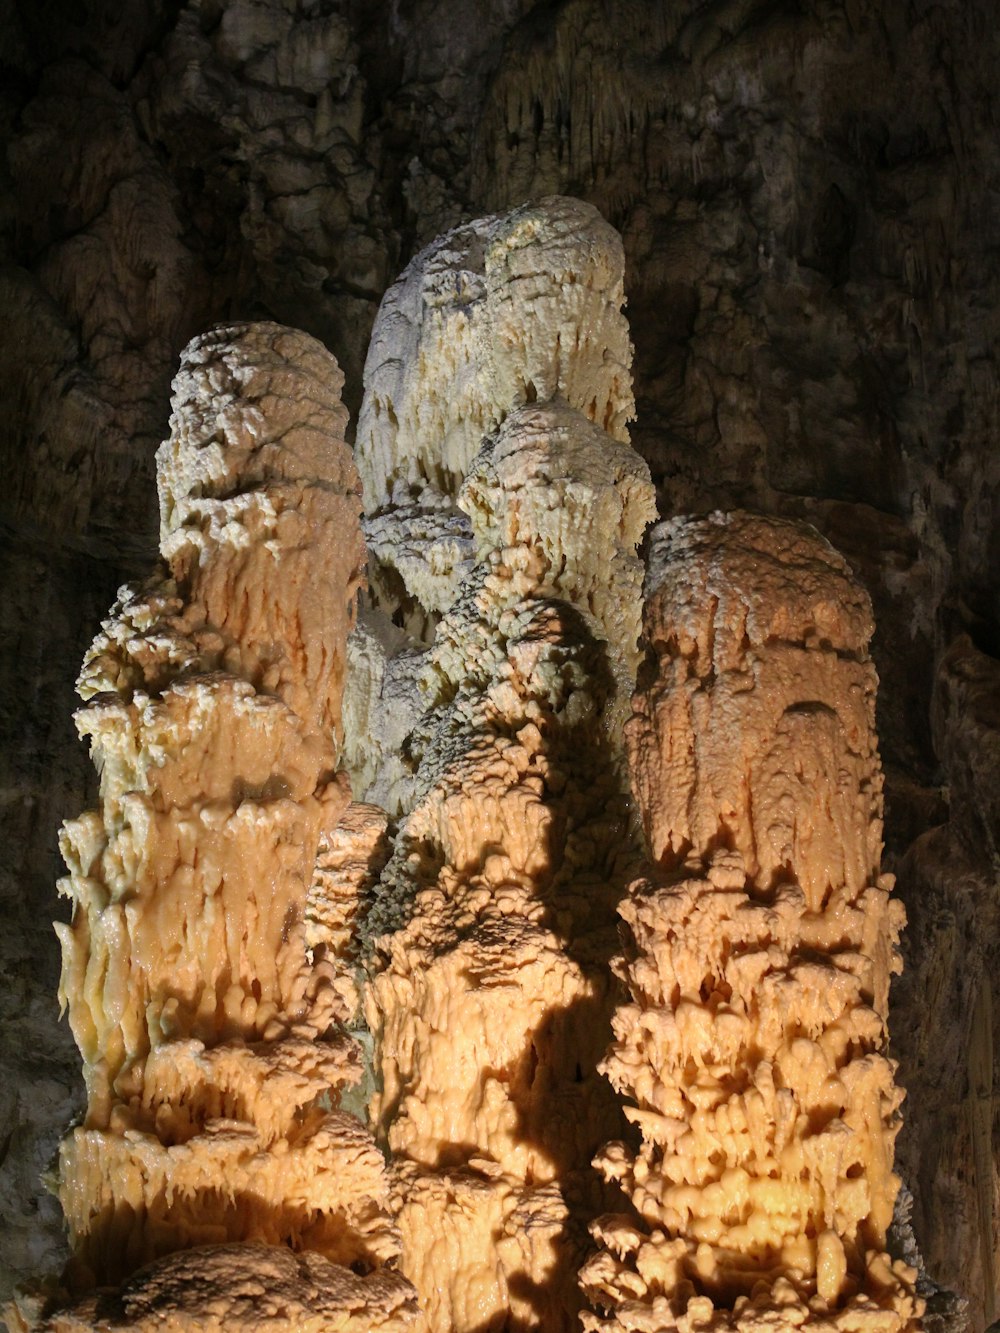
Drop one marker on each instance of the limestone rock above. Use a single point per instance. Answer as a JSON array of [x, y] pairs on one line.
[[265, 1288], [502, 311], [758, 953], [805, 195], [494, 918], [206, 964]]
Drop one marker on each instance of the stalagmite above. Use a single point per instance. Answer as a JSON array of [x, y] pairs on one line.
[[214, 889], [490, 999], [760, 948], [500, 312]]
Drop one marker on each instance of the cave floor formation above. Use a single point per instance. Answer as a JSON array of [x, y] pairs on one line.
[[805, 199]]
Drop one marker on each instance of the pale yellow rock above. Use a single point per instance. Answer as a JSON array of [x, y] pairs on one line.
[[349, 859], [759, 953], [500, 313], [497, 396], [216, 890]]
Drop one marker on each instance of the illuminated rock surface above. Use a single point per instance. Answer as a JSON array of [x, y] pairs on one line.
[[806, 194], [759, 953], [505, 310], [205, 970], [490, 999]]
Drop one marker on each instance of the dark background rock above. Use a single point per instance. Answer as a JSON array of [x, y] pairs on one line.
[[809, 194]]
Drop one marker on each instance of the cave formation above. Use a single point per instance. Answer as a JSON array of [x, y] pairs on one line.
[[804, 195]]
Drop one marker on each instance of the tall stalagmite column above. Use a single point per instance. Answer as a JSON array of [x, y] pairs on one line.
[[201, 970], [760, 952], [490, 1001]]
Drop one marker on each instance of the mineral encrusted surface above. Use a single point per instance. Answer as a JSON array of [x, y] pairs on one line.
[[806, 196], [490, 998], [204, 969], [759, 951]]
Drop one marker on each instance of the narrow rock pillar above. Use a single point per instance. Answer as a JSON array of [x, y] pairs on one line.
[[760, 949], [198, 969], [490, 1000]]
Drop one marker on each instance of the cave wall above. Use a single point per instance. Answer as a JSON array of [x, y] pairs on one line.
[[808, 196]]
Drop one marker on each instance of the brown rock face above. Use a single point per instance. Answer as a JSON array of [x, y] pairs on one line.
[[198, 970], [946, 1044], [759, 952]]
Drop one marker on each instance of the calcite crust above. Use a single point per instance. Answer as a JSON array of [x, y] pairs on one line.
[[219, 891], [267, 1289], [504, 402], [518, 308]]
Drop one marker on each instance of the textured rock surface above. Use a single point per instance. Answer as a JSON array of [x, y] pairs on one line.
[[490, 990], [507, 310], [203, 966], [945, 1039], [807, 199], [758, 952], [265, 1288]]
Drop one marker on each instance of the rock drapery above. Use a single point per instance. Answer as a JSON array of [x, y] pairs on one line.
[[759, 952], [204, 966], [497, 397], [453, 351]]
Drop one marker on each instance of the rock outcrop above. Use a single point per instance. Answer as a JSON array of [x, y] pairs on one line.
[[204, 967], [501, 312], [759, 953]]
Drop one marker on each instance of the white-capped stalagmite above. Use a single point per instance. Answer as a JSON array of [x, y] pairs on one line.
[[494, 421], [213, 1183], [753, 1050]]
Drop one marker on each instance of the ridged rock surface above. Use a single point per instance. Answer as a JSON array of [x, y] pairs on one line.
[[753, 1051], [200, 970], [490, 997], [806, 196]]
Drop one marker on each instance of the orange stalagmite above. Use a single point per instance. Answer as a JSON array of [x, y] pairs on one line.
[[760, 948], [490, 999], [215, 886]]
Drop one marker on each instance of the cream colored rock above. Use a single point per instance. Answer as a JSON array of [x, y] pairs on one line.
[[505, 310], [490, 998], [517, 555], [760, 948], [349, 859], [383, 702], [209, 959], [500, 312]]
